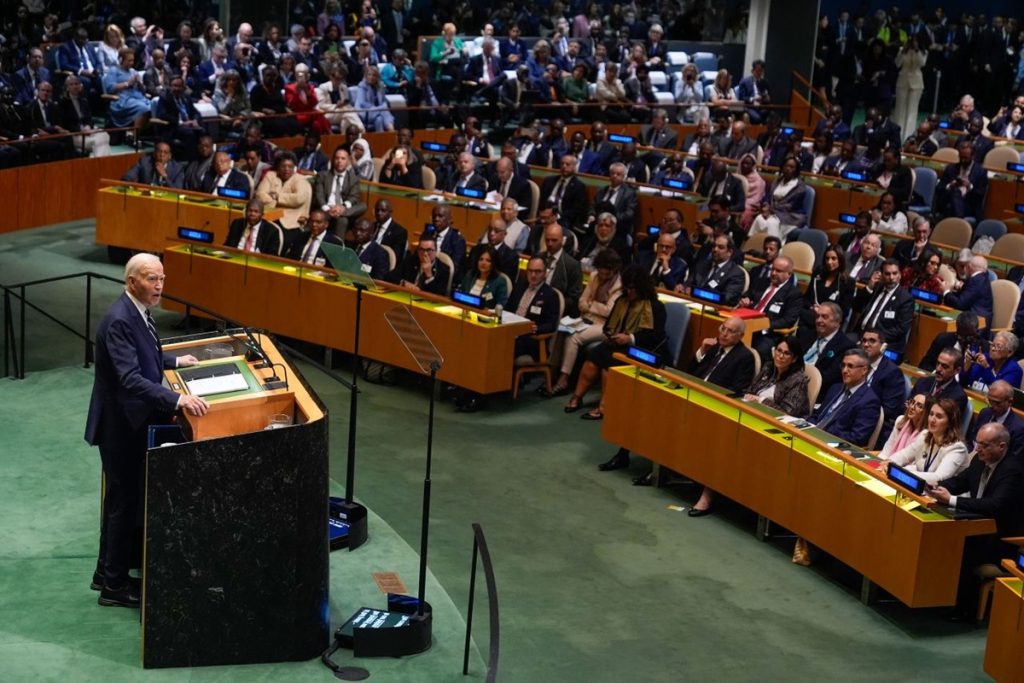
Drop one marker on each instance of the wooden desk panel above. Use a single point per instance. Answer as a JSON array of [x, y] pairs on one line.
[[923, 332], [915, 556], [477, 356], [1004, 649]]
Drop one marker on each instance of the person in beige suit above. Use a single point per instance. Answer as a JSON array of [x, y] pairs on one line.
[[285, 189], [909, 84]]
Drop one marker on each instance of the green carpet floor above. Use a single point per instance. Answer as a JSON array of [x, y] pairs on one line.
[[597, 580]]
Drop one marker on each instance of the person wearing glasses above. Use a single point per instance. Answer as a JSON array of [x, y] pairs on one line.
[[421, 269], [924, 274], [884, 378], [908, 425], [849, 410], [1000, 402], [782, 384], [981, 369], [938, 452]]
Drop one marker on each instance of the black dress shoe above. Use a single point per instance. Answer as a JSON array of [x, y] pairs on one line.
[[469, 405], [98, 579], [644, 480], [694, 512], [617, 462], [125, 596]]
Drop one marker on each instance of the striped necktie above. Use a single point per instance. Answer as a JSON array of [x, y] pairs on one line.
[[152, 328]]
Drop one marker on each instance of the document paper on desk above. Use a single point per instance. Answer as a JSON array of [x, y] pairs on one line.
[[210, 380]]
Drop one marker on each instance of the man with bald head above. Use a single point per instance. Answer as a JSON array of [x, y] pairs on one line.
[[507, 258], [449, 240], [780, 300], [869, 261], [598, 153], [388, 232], [974, 294], [1000, 411], [336, 192], [507, 185], [375, 260], [721, 183], [564, 272], [737, 143]]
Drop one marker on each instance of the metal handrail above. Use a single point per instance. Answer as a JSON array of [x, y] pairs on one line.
[[480, 550]]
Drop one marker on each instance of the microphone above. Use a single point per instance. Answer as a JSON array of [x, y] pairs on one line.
[[272, 382], [498, 310]]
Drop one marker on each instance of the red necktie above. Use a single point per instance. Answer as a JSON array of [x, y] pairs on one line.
[[248, 241], [765, 299]]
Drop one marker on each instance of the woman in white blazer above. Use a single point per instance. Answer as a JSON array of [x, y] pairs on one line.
[[938, 452], [909, 85]]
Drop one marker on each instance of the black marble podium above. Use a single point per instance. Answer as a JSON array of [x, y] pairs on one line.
[[236, 539]]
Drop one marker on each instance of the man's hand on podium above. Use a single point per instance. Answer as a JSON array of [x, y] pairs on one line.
[[193, 405], [185, 361]]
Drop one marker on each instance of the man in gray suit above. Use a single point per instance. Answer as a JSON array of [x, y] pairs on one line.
[[659, 134], [617, 198], [870, 261], [563, 271], [737, 143], [336, 192]]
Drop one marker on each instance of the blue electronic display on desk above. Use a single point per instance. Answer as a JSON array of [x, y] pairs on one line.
[[925, 295], [195, 235], [855, 175], [1015, 167], [706, 295], [470, 192], [232, 193], [623, 139], [848, 218], [427, 146], [636, 353], [676, 184], [466, 298], [906, 479]]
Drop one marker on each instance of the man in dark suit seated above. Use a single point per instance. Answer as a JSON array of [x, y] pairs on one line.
[[618, 198], [907, 252], [157, 169], [128, 396], [671, 224], [564, 272], [667, 269], [943, 383], [781, 301], [506, 184], [184, 123], [962, 186], [484, 76], [737, 143], [659, 134], [449, 240], [718, 222], [760, 275], [252, 233], [719, 274], [863, 268], [849, 411], [507, 259], [598, 153], [305, 243], [1000, 410], [566, 194], [965, 338], [27, 78], [975, 294], [848, 159], [78, 57], [519, 169], [886, 305], [721, 183], [466, 176], [991, 486], [309, 156], [534, 299], [826, 344], [388, 232], [834, 123], [337, 192], [422, 270], [222, 173], [884, 378], [753, 90], [375, 260], [851, 240]]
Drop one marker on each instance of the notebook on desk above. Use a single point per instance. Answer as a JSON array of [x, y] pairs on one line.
[[213, 379]]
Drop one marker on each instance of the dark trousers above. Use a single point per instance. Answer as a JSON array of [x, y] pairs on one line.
[[124, 468]]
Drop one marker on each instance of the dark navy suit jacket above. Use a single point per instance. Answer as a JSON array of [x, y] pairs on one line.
[[855, 419], [1013, 423], [975, 296], [127, 392]]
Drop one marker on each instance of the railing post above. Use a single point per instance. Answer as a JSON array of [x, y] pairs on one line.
[[8, 336], [469, 610], [88, 319], [21, 372]]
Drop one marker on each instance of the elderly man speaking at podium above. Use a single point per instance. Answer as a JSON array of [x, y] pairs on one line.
[[127, 397]]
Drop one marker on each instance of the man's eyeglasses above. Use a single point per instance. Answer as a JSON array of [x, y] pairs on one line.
[[426, 250], [726, 328], [854, 366]]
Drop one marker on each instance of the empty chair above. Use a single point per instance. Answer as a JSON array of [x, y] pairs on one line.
[[999, 156], [801, 253], [659, 80], [989, 227], [947, 155], [878, 429], [378, 164], [678, 58], [677, 319], [1005, 298], [706, 61], [447, 260], [813, 384], [952, 232], [755, 242], [925, 180], [429, 177], [817, 239], [1010, 245]]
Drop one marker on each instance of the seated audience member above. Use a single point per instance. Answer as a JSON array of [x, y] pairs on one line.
[[938, 453], [850, 409], [991, 486], [658, 133], [400, 169], [184, 122], [755, 190], [337, 192], [999, 363], [517, 233], [863, 268], [719, 274], [362, 159], [371, 100], [886, 305], [603, 290], [786, 195], [851, 240], [964, 338], [222, 173], [667, 269], [254, 234], [197, 169], [422, 270], [507, 185], [760, 275], [285, 189], [375, 260], [975, 294], [827, 345], [232, 100], [465, 176], [605, 237], [309, 157], [619, 199], [895, 178], [782, 383], [483, 278], [924, 274], [721, 183], [267, 99], [158, 75], [449, 240], [251, 164], [334, 100], [848, 159], [671, 224], [943, 383], [1000, 409], [820, 152], [1010, 125], [829, 283], [781, 301], [961, 188], [673, 167], [157, 169], [637, 319], [564, 272], [908, 426], [909, 252], [737, 143], [566, 194], [884, 378], [300, 97], [887, 216], [75, 115], [538, 302], [306, 244], [921, 142], [765, 222], [505, 259], [131, 107], [388, 232]]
